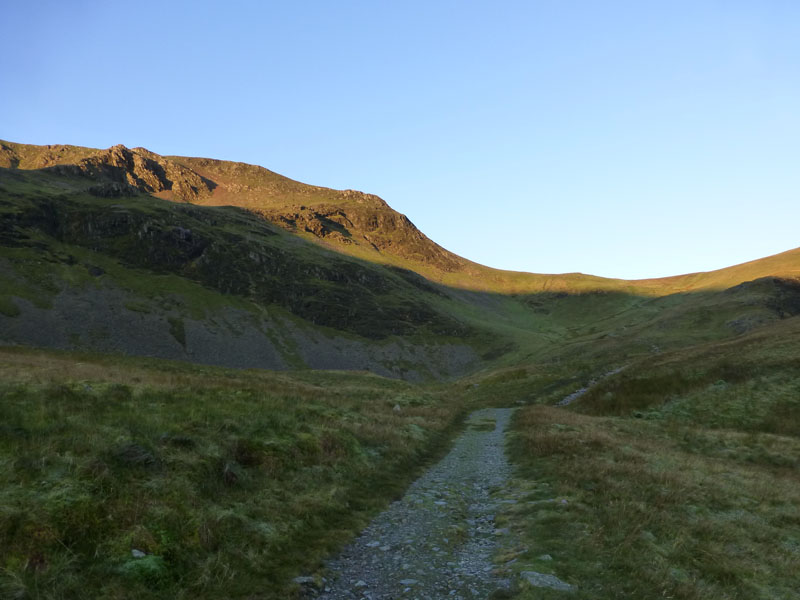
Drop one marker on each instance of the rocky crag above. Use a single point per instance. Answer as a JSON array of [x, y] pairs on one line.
[[84, 231]]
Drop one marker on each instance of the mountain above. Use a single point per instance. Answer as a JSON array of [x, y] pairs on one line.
[[124, 250]]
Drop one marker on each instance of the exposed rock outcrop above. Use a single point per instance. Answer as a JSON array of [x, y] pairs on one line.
[[369, 223], [139, 168], [143, 170]]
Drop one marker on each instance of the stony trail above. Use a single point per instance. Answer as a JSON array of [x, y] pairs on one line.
[[438, 540]]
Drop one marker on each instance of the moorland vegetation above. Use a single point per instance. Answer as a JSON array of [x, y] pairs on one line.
[[227, 372]]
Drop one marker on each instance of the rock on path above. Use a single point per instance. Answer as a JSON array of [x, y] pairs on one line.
[[438, 540]]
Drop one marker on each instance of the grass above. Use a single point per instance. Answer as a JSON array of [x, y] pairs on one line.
[[676, 477], [58, 231], [143, 246], [642, 509], [749, 383], [229, 482], [37, 276], [177, 329], [689, 489], [8, 307], [232, 482], [261, 190]]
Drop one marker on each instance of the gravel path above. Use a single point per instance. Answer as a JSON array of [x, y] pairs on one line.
[[438, 540], [578, 393]]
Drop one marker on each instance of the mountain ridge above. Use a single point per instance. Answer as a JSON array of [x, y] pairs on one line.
[[229, 263], [349, 221], [114, 262]]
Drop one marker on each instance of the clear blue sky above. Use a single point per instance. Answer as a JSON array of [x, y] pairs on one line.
[[626, 139]]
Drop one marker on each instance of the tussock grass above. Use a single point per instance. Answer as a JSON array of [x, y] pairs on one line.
[[690, 490], [750, 383], [647, 509], [230, 482]]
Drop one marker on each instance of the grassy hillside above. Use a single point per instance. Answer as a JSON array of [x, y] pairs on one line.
[[351, 222], [125, 250], [747, 383], [234, 481], [67, 246], [224, 482], [627, 508], [676, 477]]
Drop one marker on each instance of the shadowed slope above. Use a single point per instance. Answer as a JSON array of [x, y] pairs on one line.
[[114, 269]]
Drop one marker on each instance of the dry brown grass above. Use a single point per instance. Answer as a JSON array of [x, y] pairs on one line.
[[27, 365]]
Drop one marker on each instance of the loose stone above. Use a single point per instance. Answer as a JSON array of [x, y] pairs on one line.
[[448, 552], [545, 580]]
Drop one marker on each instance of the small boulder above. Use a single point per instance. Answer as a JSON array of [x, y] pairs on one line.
[[545, 580], [545, 557]]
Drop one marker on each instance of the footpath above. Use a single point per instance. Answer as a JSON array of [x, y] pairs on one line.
[[438, 540]]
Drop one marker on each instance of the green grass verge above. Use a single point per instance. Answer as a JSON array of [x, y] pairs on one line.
[[750, 383], [229, 482], [691, 490], [647, 509]]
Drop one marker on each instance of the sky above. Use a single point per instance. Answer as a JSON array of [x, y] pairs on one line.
[[623, 139]]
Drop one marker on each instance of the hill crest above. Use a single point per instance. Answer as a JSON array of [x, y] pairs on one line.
[[348, 221]]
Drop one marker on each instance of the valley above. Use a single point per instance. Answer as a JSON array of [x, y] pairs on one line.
[[231, 372]]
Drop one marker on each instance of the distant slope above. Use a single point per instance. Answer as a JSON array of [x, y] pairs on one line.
[[351, 222], [214, 261], [747, 383], [90, 259], [785, 264], [322, 212]]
